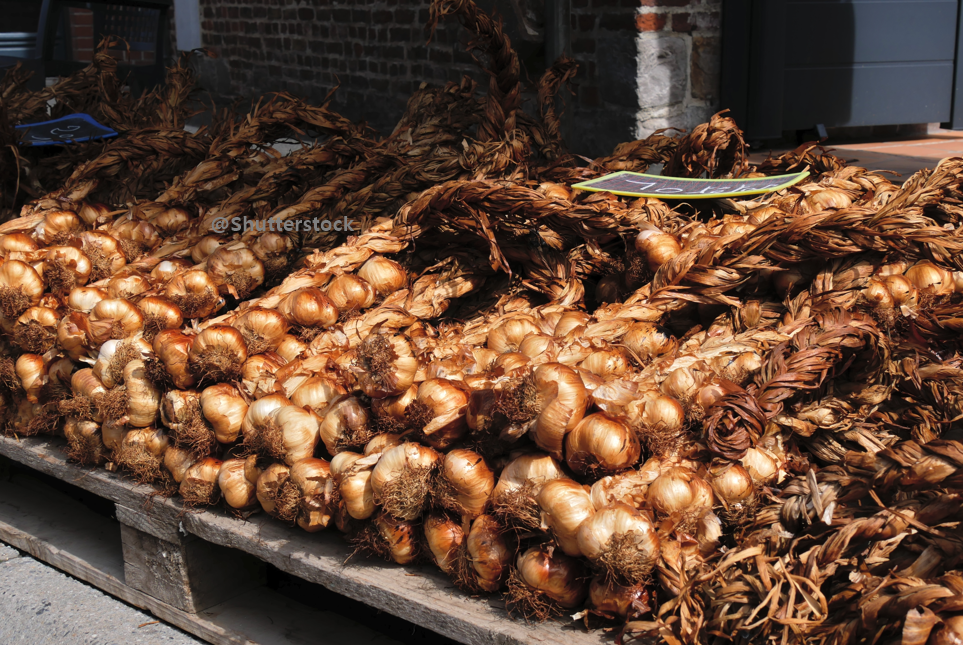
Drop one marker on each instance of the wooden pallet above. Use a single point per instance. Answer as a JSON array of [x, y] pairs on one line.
[[165, 555]]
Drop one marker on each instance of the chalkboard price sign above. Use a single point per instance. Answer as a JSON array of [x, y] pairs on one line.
[[634, 184], [75, 128]]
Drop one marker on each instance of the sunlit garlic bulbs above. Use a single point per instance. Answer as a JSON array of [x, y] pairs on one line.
[[550, 573], [600, 444], [622, 541], [200, 483], [489, 553], [21, 287], [386, 366], [350, 293], [514, 496], [218, 353], [402, 478], [565, 504], [465, 483], [194, 293], [444, 538], [657, 247], [679, 490], [235, 268], [237, 481], [386, 276], [309, 307], [562, 401]]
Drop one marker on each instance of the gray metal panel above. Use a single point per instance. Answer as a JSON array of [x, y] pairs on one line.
[[869, 31], [956, 118], [766, 65], [882, 94]]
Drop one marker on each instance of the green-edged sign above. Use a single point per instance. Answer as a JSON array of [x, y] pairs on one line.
[[634, 184]]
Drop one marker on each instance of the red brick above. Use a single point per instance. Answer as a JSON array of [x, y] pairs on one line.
[[682, 22], [650, 22]]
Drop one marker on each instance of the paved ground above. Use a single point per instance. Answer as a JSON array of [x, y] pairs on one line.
[[903, 156], [40, 605]]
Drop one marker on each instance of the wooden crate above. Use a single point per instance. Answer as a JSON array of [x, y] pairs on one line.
[[158, 562]]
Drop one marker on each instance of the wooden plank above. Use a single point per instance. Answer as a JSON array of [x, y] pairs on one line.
[[421, 595], [152, 524], [54, 529]]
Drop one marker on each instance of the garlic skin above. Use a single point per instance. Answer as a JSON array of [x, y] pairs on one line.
[[173, 349], [141, 452], [562, 400], [508, 336], [622, 540], [32, 373], [290, 348], [236, 269], [514, 496], [236, 485], [167, 270], [159, 314], [85, 443], [114, 318], [386, 366], [648, 340], [386, 276], [317, 393], [218, 353], [565, 504], [601, 444], [314, 485], [21, 287], [554, 574], [64, 268], [143, 399], [259, 413], [617, 601], [350, 293], [489, 553], [195, 294], [401, 480], [570, 321], [204, 247], [262, 328], [258, 374], [224, 408], [309, 307], [200, 483], [679, 490], [290, 435], [177, 461], [128, 285], [657, 247], [465, 483], [380, 443], [85, 298], [352, 476], [345, 424], [930, 279], [268, 485], [629, 487], [445, 403], [733, 485], [444, 538], [400, 537], [36, 329]]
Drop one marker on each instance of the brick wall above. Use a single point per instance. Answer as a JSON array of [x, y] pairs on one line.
[[679, 53], [643, 63], [81, 33]]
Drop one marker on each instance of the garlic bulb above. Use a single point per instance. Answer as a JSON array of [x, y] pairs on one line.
[[514, 496], [128, 285], [21, 287], [236, 268], [172, 348], [134, 236], [600, 443], [489, 553], [159, 314], [180, 412], [143, 399], [657, 247], [562, 400], [167, 270], [313, 489], [401, 480], [114, 318], [648, 340], [386, 276], [64, 268], [930, 279], [269, 486], [733, 485], [553, 574], [309, 307], [465, 483], [391, 411], [762, 466], [352, 476], [273, 250], [13, 243], [218, 353], [290, 434], [85, 298], [204, 247], [621, 540], [73, 335], [570, 321], [350, 293], [904, 292], [444, 538], [439, 412], [399, 537], [381, 442], [507, 336], [177, 461], [200, 483], [607, 363], [224, 408], [262, 328], [317, 393], [679, 490], [56, 222], [386, 366], [36, 329], [195, 294], [170, 221], [629, 487], [617, 601], [290, 348], [565, 504], [141, 452], [877, 295], [32, 373], [85, 444], [345, 424], [236, 484], [258, 374], [259, 413]]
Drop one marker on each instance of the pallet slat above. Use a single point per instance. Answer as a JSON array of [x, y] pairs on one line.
[[420, 595]]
